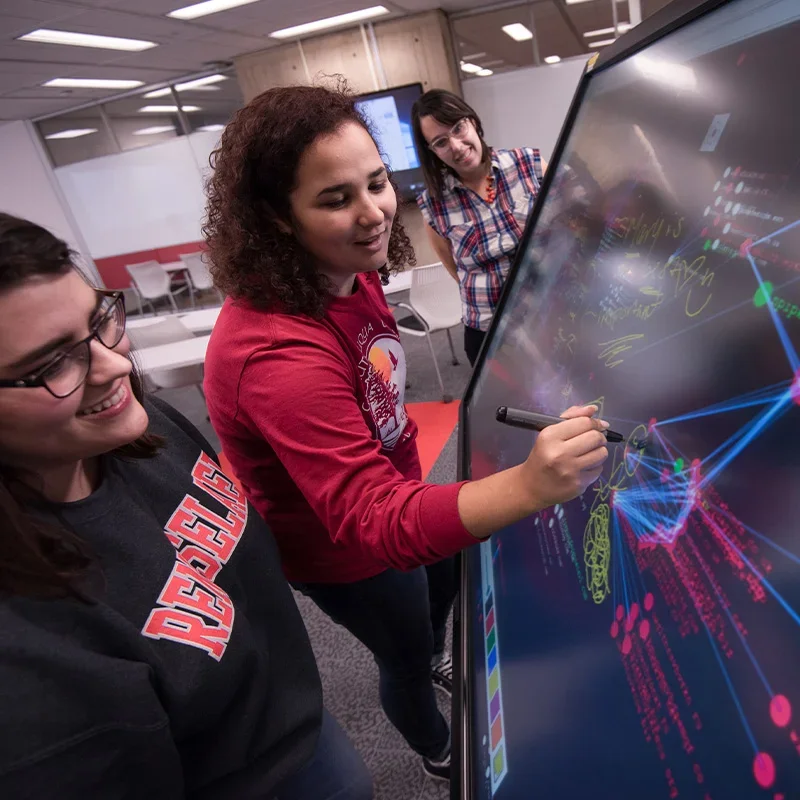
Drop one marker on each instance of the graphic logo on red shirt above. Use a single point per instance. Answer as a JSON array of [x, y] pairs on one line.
[[383, 372], [191, 608]]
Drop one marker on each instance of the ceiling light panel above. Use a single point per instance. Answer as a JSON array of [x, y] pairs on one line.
[[208, 7], [73, 133], [91, 83], [518, 32], [621, 28], [201, 84], [166, 109], [330, 22], [47, 36], [154, 129]]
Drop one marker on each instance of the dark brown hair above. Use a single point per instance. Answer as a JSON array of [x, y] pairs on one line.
[[255, 168], [447, 109], [40, 558]]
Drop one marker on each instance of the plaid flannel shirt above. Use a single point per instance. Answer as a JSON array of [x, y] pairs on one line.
[[483, 236]]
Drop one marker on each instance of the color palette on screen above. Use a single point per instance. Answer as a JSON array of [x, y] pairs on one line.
[[498, 766]]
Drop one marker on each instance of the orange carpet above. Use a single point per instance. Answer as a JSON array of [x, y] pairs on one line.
[[436, 422]]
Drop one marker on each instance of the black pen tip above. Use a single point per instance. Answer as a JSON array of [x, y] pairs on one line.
[[500, 416]]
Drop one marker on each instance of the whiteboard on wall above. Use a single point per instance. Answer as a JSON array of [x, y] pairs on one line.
[[137, 200], [527, 107]]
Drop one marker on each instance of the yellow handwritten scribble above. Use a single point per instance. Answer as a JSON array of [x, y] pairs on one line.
[[696, 276], [611, 350], [597, 553], [596, 539]]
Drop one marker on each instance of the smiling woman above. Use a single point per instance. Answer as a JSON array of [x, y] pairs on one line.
[[135, 584], [305, 384]]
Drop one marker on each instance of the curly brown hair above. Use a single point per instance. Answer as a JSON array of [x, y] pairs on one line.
[[255, 167]]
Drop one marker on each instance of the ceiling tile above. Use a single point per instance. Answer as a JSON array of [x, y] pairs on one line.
[[131, 25], [39, 10]]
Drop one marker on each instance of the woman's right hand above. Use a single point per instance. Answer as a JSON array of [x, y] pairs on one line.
[[566, 458]]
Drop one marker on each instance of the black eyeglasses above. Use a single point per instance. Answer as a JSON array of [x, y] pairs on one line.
[[67, 372]]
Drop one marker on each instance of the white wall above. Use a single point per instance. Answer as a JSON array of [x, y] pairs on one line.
[[527, 107], [28, 187]]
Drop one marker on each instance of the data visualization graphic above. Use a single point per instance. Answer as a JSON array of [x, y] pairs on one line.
[[650, 629]]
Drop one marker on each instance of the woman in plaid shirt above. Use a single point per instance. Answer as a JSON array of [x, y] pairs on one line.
[[476, 203]]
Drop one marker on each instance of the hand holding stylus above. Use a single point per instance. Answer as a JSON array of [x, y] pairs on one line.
[[567, 457]]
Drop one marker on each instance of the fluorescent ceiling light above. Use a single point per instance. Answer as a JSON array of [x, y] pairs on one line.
[[330, 22], [212, 128], [46, 36], [621, 28], [474, 56], [154, 129], [518, 32], [552, 59], [209, 7], [578, 2], [494, 63], [484, 73], [472, 69], [202, 84], [602, 43], [74, 133], [166, 109], [91, 83]]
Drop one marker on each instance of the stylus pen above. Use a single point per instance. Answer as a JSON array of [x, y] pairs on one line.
[[532, 421]]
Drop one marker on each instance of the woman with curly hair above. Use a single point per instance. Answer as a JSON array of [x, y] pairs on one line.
[[305, 377]]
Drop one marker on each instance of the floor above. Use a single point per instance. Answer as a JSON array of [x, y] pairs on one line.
[[349, 675]]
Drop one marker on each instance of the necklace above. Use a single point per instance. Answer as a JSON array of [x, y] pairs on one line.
[[491, 191]]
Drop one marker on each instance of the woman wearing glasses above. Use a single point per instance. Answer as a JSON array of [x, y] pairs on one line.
[[149, 644], [476, 203]]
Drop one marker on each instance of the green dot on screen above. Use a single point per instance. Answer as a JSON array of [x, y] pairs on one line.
[[707, 245], [763, 294], [678, 465]]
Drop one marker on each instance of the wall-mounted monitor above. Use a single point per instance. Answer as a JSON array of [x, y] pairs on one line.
[[389, 114]]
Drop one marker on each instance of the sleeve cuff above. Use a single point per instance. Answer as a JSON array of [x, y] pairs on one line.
[[440, 507]]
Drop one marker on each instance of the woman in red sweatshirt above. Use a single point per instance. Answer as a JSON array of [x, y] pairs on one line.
[[305, 377]]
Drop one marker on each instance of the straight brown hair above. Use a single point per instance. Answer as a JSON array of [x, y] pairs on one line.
[[447, 109], [39, 558]]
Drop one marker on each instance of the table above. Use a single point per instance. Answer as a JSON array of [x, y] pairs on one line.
[[398, 283], [200, 321], [187, 353]]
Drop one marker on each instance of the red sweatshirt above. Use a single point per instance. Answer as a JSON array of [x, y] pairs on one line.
[[311, 416]]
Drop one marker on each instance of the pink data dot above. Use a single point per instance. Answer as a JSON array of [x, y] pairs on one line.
[[614, 629], [644, 630], [780, 709], [620, 613], [744, 247], [628, 623], [764, 770], [626, 645], [795, 391], [651, 424], [634, 611], [703, 232], [664, 475], [649, 601]]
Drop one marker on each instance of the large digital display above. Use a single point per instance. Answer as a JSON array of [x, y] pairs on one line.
[[642, 642]]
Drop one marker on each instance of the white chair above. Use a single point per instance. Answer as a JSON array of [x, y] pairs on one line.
[[199, 277], [166, 330], [435, 304], [152, 282]]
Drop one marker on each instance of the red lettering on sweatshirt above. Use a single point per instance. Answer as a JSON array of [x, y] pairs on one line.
[[191, 608], [187, 628], [199, 525]]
